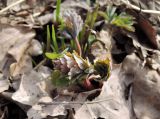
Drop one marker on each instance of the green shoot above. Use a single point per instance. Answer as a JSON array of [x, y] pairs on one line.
[[48, 39], [53, 55], [86, 30], [72, 44], [58, 5], [122, 20], [63, 43], [94, 17], [55, 44]]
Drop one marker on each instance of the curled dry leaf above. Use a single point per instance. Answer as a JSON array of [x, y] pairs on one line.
[[145, 31], [16, 47]]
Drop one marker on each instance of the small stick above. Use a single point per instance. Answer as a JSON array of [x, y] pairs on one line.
[[142, 10], [40, 64], [78, 46], [8, 7]]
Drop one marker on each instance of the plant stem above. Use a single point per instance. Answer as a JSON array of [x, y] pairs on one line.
[[63, 44], [78, 46]]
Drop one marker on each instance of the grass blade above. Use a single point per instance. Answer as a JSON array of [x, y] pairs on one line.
[[48, 39], [55, 44], [58, 5]]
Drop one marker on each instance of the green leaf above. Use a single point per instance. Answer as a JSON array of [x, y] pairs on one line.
[[91, 39], [48, 39], [94, 17], [58, 5], [55, 44], [58, 79], [53, 55], [103, 14], [124, 21], [111, 13]]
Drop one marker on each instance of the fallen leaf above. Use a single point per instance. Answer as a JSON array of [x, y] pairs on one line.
[[144, 30], [110, 104], [15, 42], [31, 89], [4, 83]]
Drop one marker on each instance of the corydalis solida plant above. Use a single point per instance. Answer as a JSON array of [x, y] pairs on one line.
[[71, 26], [72, 69]]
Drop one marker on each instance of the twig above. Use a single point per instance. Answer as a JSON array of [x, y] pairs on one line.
[[8, 7], [40, 64], [76, 102], [142, 10]]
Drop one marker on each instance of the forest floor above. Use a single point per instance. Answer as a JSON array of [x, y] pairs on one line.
[[79, 59]]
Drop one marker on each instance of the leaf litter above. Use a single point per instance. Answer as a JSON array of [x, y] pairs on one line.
[[99, 59]]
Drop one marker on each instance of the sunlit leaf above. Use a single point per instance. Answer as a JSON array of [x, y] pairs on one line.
[[53, 55], [124, 21]]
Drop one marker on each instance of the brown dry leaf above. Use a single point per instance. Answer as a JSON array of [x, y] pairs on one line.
[[32, 88], [4, 83], [146, 86], [146, 33], [58, 107], [148, 29], [22, 55], [106, 38], [16, 47], [75, 4], [106, 2], [23, 66], [12, 37], [110, 104], [41, 111]]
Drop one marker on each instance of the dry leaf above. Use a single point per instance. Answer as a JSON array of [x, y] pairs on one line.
[[144, 30], [145, 86], [31, 89], [42, 111], [110, 104], [4, 83], [14, 44]]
